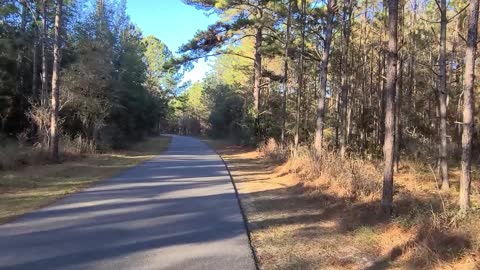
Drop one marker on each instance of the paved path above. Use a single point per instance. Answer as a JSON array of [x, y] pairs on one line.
[[177, 211]]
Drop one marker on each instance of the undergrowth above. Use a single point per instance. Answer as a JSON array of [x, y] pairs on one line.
[[435, 236], [18, 153], [348, 177]]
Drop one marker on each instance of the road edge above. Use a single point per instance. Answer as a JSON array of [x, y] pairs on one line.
[[84, 189], [242, 210]]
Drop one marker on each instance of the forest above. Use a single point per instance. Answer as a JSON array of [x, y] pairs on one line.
[[375, 80], [356, 93], [79, 73]]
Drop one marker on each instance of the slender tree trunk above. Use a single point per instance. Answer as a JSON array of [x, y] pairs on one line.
[[371, 100], [442, 97], [382, 90], [364, 81], [457, 78], [44, 54], [387, 196], [35, 92], [398, 115], [383, 73], [347, 11], [34, 64], [323, 77], [257, 65], [20, 82], [468, 106], [56, 82], [351, 102], [399, 93], [285, 74], [412, 56], [337, 119], [301, 84]]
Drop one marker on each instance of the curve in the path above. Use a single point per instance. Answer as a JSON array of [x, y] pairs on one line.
[[177, 211]]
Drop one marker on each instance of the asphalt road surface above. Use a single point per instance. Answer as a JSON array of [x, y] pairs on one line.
[[177, 211]]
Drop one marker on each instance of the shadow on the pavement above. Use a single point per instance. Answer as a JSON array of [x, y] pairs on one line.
[[161, 203]]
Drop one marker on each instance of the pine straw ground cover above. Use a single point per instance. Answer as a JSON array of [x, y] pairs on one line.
[[25, 189], [300, 219]]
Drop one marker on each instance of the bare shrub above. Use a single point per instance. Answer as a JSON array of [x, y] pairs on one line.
[[18, 153], [40, 116], [78, 146], [14, 155], [346, 177], [273, 151], [304, 164]]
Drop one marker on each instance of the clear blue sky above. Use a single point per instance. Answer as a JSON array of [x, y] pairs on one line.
[[172, 22]]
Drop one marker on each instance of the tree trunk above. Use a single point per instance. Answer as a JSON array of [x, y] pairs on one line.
[[285, 74], [301, 84], [398, 107], [364, 81], [323, 77], [351, 102], [347, 11], [258, 71], [457, 78], [442, 97], [387, 196], [257, 65], [381, 97], [20, 82], [35, 41], [412, 56], [468, 106], [399, 94], [56, 82], [44, 93], [34, 64]]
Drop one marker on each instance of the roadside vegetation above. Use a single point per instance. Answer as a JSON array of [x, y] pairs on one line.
[[301, 217], [81, 76], [81, 89], [24, 188], [361, 116]]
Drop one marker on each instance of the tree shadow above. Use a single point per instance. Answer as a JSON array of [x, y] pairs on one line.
[[443, 245], [293, 207], [169, 211]]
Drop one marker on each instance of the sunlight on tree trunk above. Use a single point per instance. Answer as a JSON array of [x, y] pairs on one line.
[[344, 88], [257, 79], [468, 106], [54, 128], [398, 106], [285, 75], [387, 197], [442, 97], [323, 77], [44, 93], [301, 82]]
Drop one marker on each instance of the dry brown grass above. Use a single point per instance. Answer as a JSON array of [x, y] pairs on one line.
[[324, 214], [26, 189], [15, 154], [351, 178]]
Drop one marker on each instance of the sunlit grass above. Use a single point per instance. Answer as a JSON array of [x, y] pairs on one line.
[[298, 222], [27, 189]]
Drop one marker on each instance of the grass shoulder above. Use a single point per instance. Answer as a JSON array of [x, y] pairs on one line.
[[300, 218], [26, 189]]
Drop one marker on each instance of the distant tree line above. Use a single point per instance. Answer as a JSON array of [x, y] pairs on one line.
[[70, 69]]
